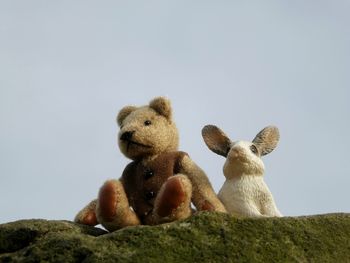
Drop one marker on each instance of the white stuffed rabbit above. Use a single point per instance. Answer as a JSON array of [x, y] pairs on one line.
[[244, 193]]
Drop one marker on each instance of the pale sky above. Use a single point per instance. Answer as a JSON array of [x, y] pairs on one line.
[[68, 67]]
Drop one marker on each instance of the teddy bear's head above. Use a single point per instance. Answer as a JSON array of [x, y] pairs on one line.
[[147, 130]]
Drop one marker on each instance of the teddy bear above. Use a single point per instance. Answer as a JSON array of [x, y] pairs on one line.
[[244, 193], [160, 182]]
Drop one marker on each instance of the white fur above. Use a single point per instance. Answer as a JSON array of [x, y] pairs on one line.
[[244, 193], [248, 196], [241, 160]]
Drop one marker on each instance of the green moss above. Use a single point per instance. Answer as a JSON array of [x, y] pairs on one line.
[[205, 237]]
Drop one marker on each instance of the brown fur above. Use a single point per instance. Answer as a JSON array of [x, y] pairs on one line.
[[116, 200], [90, 219], [138, 184], [124, 112], [87, 215], [216, 140], [160, 183], [203, 193], [162, 106], [173, 196], [267, 139], [108, 200], [174, 199], [160, 136], [207, 206]]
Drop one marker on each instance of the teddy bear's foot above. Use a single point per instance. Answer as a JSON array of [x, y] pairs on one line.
[[113, 209], [87, 215], [173, 201]]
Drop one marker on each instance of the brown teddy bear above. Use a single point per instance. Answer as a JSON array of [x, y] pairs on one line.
[[159, 184]]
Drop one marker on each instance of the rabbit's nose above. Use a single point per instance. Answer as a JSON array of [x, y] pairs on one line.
[[237, 151]]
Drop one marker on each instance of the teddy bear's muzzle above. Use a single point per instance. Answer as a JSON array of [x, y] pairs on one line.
[[126, 136]]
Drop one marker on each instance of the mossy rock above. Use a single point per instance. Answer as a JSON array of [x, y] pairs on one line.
[[205, 237]]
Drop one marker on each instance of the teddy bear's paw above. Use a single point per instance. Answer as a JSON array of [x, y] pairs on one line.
[[173, 200], [87, 216]]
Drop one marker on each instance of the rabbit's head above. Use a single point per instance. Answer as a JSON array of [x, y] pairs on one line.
[[242, 157]]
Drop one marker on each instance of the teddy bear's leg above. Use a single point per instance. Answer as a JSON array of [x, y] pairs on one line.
[[87, 215], [113, 210], [173, 200]]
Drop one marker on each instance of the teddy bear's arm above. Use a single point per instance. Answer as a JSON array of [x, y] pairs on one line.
[[203, 195]]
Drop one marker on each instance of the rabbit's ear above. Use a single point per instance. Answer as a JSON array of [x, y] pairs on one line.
[[266, 140], [216, 140]]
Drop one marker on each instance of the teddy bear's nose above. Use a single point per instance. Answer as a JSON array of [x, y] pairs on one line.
[[126, 136]]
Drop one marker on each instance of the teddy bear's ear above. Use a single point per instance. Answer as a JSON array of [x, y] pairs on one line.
[[162, 106], [216, 140], [124, 112], [266, 140]]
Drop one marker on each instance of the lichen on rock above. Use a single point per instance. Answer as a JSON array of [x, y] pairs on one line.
[[205, 237]]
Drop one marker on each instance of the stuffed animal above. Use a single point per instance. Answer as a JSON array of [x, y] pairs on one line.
[[244, 193], [159, 184]]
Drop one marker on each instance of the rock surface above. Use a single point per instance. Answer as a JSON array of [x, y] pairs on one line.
[[206, 237]]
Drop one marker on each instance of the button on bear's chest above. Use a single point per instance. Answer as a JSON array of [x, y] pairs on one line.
[[153, 176]]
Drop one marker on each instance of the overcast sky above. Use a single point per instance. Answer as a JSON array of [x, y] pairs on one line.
[[68, 67]]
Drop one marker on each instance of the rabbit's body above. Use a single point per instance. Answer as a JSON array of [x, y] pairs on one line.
[[244, 193], [248, 196]]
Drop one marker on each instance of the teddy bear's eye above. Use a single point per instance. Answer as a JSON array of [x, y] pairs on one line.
[[147, 122], [254, 149]]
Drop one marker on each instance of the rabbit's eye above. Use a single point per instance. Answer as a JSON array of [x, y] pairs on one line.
[[254, 149]]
